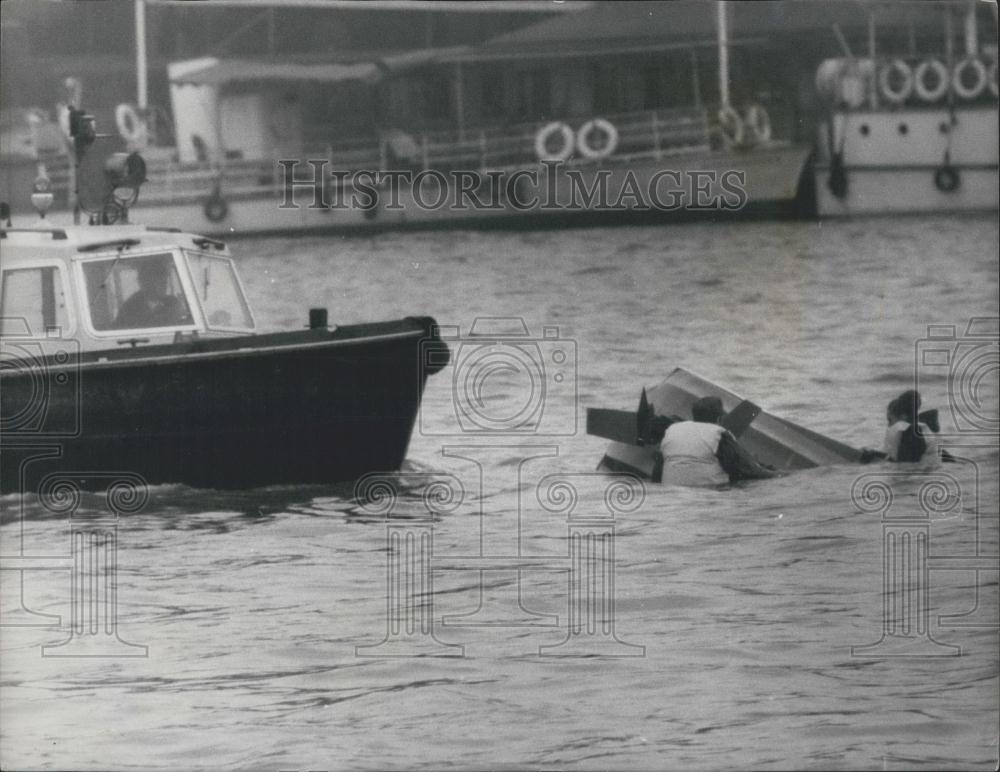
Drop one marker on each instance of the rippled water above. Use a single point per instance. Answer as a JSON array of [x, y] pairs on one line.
[[747, 601]]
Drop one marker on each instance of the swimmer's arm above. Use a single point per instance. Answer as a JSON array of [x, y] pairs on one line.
[[737, 462]]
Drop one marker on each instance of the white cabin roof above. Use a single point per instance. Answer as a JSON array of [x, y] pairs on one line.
[[42, 239]]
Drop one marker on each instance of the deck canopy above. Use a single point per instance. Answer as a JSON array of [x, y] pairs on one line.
[[239, 70], [361, 67], [616, 27]]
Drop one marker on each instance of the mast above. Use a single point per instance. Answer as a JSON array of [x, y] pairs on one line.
[[723, 37], [872, 96], [971, 31], [142, 98]]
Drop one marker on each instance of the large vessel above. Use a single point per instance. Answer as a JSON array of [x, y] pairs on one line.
[[470, 135], [132, 348], [911, 132]]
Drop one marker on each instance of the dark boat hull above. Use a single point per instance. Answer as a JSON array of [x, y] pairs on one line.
[[315, 406]]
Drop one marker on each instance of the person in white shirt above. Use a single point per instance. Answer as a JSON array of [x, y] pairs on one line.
[[701, 453]]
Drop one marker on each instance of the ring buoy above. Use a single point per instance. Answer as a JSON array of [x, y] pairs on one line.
[[758, 124], [568, 141], [215, 207], [131, 126], [993, 80], [731, 125], [930, 80], [979, 78], [895, 82], [946, 178], [610, 138]]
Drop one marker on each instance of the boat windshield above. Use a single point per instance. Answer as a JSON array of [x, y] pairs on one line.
[[219, 292], [135, 293]]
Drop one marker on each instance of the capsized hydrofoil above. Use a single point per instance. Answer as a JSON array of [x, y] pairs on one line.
[[772, 440]]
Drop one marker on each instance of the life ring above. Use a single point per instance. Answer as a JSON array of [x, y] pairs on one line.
[[731, 125], [946, 178], [215, 207], [958, 84], [895, 82], [937, 87], [131, 126], [610, 138], [993, 80], [758, 124], [565, 148]]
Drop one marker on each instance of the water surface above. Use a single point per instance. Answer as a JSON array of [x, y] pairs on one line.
[[747, 601]]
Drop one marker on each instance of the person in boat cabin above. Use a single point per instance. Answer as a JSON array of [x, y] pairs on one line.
[[908, 438], [153, 305], [701, 453]]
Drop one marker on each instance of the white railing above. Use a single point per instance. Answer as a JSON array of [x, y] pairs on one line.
[[647, 134]]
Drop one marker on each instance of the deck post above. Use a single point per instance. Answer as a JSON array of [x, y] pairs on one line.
[[971, 31], [723, 41], [459, 102], [140, 57], [656, 137], [872, 96], [695, 78]]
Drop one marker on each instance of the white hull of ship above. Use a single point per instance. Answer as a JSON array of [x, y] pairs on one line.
[[891, 159], [769, 175]]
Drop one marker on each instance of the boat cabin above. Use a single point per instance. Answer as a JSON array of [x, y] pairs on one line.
[[126, 286]]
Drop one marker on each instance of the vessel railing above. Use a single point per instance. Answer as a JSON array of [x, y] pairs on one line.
[[650, 133], [642, 135]]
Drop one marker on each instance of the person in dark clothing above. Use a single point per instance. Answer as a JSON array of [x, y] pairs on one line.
[[700, 452], [908, 438], [152, 305]]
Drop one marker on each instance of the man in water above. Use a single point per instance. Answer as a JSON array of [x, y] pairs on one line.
[[152, 305], [908, 438], [702, 453]]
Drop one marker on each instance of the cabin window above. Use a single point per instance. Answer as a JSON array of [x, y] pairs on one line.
[[35, 297], [135, 293], [219, 292]]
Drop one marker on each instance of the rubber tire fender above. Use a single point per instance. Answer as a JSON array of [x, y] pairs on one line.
[[215, 208]]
